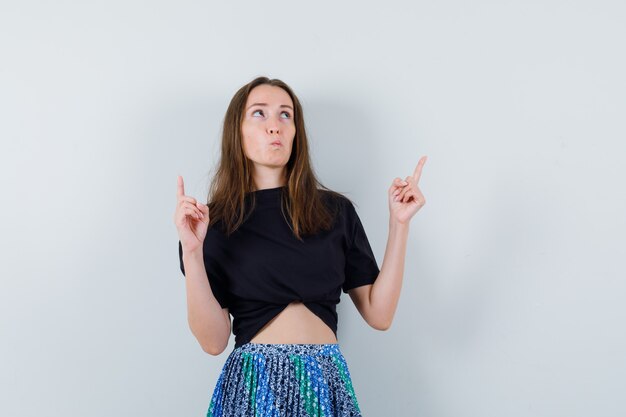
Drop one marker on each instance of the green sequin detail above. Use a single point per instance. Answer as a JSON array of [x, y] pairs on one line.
[[250, 378]]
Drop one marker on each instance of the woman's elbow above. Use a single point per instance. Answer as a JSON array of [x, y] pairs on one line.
[[213, 350], [215, 347], [381, 325], [213, 344]]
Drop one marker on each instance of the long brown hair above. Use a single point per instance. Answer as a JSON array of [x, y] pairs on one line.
[[302, 197]]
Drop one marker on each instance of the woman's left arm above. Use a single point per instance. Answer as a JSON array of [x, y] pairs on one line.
[[377, 302]]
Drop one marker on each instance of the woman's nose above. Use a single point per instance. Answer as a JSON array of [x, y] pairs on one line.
[[272, 129], [272, 125]]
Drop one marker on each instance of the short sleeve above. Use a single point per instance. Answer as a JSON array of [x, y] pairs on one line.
[[216, 278], [361, 267]]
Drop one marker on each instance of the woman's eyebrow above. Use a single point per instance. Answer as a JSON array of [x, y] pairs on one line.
[[265, 104]]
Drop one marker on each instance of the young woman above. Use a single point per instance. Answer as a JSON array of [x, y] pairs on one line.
[[274, 248]]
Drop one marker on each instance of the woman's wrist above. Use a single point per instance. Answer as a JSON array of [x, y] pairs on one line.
[[192, 255]]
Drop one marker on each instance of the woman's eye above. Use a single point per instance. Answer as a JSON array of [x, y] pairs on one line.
[[261, 111]]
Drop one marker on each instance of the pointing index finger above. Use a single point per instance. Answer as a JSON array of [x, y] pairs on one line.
[[418, 169], [180, 188]]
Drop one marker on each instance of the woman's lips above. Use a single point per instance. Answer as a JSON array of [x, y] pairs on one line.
[[277, 143]]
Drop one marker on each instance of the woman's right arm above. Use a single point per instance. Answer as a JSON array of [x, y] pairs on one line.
[[208, 321]]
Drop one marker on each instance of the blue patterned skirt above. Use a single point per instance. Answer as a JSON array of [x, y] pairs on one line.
[[284, 380]]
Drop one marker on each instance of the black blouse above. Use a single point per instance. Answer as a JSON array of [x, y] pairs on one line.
[[262, 267]]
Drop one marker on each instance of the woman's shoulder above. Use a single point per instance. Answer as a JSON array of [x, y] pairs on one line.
[[332, 197], [338, 203], [335, 197]]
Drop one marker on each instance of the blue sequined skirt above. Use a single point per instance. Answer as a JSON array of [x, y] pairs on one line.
[[284, 380]]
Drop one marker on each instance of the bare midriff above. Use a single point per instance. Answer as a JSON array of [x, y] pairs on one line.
[[295, 324]]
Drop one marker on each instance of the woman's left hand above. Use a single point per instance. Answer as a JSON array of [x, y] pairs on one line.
[[405, 197]]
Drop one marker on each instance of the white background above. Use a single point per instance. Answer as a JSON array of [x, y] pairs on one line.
[[512, 297]]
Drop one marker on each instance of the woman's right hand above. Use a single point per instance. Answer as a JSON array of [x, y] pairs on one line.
[[191, 219]]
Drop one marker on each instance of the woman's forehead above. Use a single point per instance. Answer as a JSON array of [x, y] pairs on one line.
[[270, 95]]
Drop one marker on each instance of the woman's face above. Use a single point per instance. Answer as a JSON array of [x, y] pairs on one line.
[[268, 118]]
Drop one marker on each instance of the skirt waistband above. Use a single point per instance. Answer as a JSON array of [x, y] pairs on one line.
[[272, 349]]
